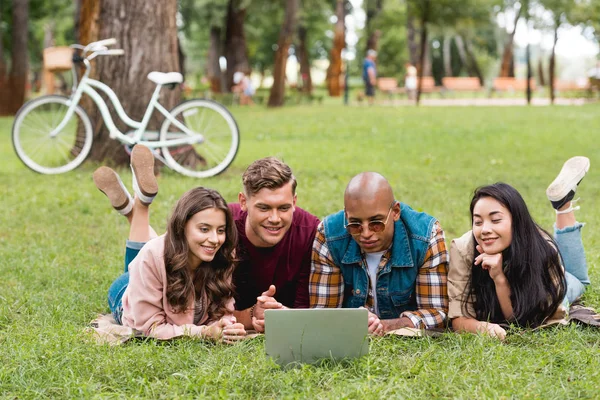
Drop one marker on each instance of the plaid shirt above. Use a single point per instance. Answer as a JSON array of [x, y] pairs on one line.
[[326, 285]]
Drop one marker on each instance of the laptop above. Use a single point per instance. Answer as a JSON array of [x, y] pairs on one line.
[[308, 335]]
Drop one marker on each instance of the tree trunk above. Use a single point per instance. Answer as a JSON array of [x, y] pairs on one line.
[[421, 67], [213, 68], [2, 61], [334, 70], [541, 76], [147, 32], [17, 78], [413, 47], [528, 56], [77, 18], [286, 35], [473, 62], [462, 53], [373, 35], [304, 61], [447, 55], [236, 51], [553, 63], [89, 13], [508, 69]]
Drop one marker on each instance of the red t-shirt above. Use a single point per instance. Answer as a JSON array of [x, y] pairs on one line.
[[285, 265]]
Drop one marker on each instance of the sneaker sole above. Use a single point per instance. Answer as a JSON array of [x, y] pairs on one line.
[[109, 183], [573, 171], [142, 163]]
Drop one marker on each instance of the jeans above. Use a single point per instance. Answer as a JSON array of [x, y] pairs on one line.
[[116, 290], [571, 250]]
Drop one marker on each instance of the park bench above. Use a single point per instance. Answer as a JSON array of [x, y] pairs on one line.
[[55, 60], [389, 86], [461, 84], [428, 85], [511, 84]]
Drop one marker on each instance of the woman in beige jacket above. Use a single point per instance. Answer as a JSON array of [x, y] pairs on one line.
[[179, 283], [509, 270]]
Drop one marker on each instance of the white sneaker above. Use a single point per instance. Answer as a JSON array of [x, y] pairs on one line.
[[563, 188]]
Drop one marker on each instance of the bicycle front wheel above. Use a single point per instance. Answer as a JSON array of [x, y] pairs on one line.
[[221, 138], [48, 154]]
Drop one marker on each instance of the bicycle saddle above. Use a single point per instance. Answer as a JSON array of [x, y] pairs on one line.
[[162, 78]]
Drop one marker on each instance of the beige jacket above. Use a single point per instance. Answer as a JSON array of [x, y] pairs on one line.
[[145, 305], [459, 273]]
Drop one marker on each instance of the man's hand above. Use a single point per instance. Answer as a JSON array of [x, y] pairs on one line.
[[396, 323], [491, 262], [266, 301], [375, 325]]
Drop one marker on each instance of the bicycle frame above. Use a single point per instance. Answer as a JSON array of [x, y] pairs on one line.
[[89, 86]]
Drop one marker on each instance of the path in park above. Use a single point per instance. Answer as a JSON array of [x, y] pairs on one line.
[[487, 102]]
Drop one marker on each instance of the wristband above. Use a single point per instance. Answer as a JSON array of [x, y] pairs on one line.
[[252, 311]]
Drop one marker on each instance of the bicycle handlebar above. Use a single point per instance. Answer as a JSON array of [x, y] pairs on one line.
[[105, 52], [112, 52], [106, 42]]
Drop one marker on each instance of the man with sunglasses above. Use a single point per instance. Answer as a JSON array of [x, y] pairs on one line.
[[383, 255]]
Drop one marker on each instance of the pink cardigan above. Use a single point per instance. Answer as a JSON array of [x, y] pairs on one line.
[[145, 305]]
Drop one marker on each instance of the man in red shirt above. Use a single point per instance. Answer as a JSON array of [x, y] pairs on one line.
[[275, 243], [275, 238]]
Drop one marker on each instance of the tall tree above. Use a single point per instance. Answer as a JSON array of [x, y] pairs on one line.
[[236, 51], [525, 6], [446, 50], [2, 60], [436, 14], [373, 8], [304, 59], [147, 32], [507, 68], [196, 15], [560, 11], [334, 71], [16, 81], [286, 35], [411, 35]]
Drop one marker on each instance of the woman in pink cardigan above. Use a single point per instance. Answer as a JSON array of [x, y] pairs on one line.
[[179, 283]]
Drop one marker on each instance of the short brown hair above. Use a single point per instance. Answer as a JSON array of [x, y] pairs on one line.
[[268, 172]]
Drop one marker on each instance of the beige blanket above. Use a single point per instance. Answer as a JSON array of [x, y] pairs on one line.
[[105, 330]]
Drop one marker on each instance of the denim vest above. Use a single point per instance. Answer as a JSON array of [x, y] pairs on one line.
[[395, 289]]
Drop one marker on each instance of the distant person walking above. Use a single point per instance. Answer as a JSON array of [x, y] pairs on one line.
[[370, 75]]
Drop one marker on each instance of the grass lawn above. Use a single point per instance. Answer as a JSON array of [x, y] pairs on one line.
[[61, 246]]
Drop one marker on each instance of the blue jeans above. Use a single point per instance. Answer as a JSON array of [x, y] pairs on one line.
[[571, 249], [116, 290]]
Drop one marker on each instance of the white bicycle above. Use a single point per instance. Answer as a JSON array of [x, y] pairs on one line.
[[53, 134]]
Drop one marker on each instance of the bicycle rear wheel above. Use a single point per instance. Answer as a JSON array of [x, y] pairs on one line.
[[221, 139], [37, 149]]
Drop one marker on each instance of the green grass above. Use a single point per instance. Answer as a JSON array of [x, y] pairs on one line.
[[61, 246]]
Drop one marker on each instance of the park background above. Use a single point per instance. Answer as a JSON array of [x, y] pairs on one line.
[[61, 245]]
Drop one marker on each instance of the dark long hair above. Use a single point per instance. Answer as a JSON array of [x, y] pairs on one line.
[[212, 278], [531, 264]]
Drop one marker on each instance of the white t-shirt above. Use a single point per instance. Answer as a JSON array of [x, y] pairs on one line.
[[373, 260]]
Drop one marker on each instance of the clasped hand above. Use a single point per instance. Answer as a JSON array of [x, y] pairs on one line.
[[227, 329]]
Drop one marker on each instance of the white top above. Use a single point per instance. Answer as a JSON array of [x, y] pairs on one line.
[[373, 260]]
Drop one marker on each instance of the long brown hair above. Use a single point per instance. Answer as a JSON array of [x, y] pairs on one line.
[[212, 278]]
